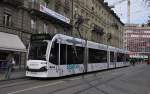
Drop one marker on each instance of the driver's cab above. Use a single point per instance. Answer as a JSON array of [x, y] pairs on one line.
[[37, 57]]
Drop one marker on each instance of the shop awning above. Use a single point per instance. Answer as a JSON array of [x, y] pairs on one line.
[[11, 42]]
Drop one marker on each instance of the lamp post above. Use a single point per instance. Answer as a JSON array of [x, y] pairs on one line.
[[108, 36], [108, 39]]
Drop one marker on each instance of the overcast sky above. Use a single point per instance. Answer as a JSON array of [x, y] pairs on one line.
[[139, 11]]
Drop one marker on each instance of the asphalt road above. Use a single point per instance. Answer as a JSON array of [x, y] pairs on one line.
[[129, 80]]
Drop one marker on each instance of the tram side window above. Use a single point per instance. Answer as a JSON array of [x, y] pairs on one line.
[[69, 54], [120, 57], [111, 56], [75, 55], [97, 56], [127, 57], [79, 55], [54, 54], [62, 54]]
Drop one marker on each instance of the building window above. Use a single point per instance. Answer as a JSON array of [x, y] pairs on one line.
[[7, 20], [45, 28], [33, 24], [66, 6], [58, 5]]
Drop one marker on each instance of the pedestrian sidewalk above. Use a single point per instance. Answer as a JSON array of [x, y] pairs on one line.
[[13, 75]]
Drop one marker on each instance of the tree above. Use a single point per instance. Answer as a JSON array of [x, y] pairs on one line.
[[148, 22]]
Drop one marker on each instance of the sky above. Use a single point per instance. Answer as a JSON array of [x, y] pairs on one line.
[[139, 11]]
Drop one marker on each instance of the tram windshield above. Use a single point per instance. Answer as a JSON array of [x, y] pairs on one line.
[[38, 50]]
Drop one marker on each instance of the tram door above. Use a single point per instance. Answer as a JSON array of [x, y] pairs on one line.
[[112, 60]]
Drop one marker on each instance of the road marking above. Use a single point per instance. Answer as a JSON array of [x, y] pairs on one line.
[[31, 88]]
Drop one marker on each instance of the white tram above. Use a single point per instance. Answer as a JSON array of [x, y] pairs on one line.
[[61, 55]]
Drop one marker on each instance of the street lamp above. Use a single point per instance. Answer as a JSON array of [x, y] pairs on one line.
[[108, 40]]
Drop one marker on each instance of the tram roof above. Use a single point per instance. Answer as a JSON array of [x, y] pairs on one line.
[[64, 39]]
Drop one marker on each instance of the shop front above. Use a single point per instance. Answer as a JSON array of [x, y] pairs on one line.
[[10, 44]]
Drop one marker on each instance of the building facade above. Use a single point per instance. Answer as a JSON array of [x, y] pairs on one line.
[[100, 24], [21, 18], [137, 40], [13, 32], [89, 19]]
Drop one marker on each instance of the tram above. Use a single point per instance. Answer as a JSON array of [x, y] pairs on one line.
[[61, 55]]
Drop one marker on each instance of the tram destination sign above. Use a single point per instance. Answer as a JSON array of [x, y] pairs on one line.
[[40, 37]]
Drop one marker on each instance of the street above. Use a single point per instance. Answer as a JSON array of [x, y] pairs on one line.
[[128, 80]]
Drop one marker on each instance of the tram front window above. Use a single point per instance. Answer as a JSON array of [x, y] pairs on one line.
[[54, 53], [38, 50]]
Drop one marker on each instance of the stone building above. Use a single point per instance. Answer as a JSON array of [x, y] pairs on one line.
[[14, 32], [21, 18], [100, 22]]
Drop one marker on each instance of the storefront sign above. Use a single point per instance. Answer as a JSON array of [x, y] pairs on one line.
[[54, 14]]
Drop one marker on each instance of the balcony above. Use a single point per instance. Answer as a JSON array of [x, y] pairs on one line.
[[48, 14], [98, 29], [13, 2]]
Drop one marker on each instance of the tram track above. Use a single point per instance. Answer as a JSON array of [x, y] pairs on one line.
[[23, 81], [50, 84], [100, 83], [107, 81], [75, 84], [4, 82], [16, 84], [26, 82], [87, 82]]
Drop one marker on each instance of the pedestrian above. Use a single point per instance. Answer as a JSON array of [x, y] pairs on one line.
[[10, 65], [148, 62], [132, 61]]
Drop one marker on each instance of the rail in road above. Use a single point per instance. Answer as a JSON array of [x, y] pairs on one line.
[[129, 80]]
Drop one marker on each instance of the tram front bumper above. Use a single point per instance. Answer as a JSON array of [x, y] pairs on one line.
[[36, 74]]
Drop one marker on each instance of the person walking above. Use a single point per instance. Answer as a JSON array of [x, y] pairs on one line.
[[10, 64], [132, 61], [148, 62]]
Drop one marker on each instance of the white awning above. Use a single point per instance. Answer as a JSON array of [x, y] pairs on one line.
[[11, 42]]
